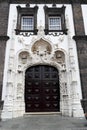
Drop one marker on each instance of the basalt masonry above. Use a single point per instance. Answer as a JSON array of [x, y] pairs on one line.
[[81, 41], [78, 19], [48, 2], [4, 10]]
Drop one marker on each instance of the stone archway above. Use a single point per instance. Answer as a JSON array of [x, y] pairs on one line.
[[42, 90]]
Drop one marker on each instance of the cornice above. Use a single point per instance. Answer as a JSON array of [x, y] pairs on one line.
[[4, 38], [79, 37], [46, 1]]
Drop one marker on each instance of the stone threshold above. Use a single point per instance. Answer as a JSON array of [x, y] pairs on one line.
[[42, 113]]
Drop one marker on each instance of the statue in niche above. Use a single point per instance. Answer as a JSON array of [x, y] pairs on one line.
[[23, 57], [59, 56]]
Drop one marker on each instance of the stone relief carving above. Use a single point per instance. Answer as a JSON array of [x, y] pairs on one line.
[[56, 46], [20, 76], [63, 84], [13, 27], [9, 90], [11, 62], [21, 40], [10, 76], [19, 91], [61, 38], [64, 88], [20, 68], [41, 47], [73, 75], [68, 26], [40, 31]]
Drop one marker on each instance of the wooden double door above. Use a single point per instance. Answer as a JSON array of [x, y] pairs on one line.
[[42, 93]]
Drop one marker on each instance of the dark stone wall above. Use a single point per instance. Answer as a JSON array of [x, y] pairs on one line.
[[48, 1], [81, 42], [4, 9], [2, 59], [82, 57], [78, 19]]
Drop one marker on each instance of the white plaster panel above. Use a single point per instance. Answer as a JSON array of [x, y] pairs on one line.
[[84, 13]]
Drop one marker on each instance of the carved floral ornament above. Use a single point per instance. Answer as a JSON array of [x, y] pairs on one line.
[[44, 52]]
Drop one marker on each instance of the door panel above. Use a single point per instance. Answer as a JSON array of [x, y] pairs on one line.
[[42, 92]]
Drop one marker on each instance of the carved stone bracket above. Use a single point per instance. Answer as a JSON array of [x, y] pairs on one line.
[[25, 34], [56, 33]]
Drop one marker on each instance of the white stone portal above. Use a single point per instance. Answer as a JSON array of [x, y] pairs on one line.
[[24, 52], [42, 53]]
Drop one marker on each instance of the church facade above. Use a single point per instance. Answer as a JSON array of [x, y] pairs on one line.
[[43, 66]]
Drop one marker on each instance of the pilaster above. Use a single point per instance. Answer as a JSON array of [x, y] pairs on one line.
[[81, 42], [4, 9]]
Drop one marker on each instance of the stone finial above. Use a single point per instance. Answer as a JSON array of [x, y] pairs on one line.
[[27, 5]]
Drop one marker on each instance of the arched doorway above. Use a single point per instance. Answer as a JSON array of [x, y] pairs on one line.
[[42, 91]]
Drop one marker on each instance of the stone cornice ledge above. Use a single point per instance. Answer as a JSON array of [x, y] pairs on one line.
[[45, 1], [41, 1], [80, 37], [4, 38]]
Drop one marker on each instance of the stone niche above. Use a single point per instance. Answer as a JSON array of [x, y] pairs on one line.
[[23, 57], [59, 56], [41, 47]]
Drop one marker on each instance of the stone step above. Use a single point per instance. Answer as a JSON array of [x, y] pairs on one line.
[[42, 113]]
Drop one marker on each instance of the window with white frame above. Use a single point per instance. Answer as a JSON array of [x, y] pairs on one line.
[[27, 23], [54, 23]]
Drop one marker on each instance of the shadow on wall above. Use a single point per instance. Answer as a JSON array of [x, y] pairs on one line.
[[1, 108], [84, 106]]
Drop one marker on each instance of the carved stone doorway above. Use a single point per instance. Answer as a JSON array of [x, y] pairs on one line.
[[42, 91]]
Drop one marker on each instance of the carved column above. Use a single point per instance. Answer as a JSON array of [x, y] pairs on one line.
[[81, 41]]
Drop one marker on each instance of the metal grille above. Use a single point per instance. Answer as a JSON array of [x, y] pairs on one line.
[[55, 23], [27, 23]]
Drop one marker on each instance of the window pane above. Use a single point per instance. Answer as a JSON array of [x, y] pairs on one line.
[[27, 23], [54, 23]]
